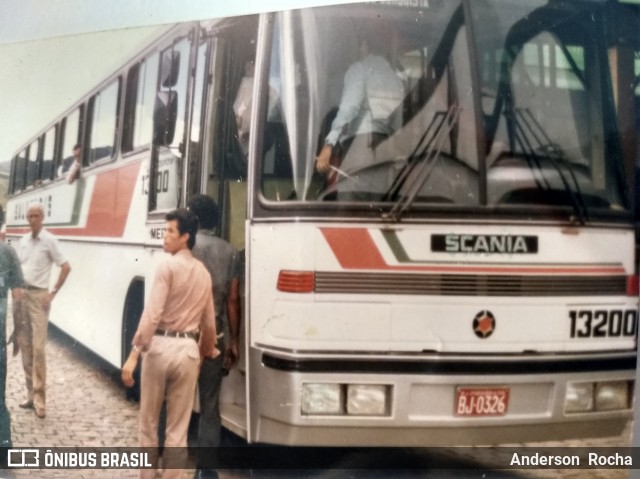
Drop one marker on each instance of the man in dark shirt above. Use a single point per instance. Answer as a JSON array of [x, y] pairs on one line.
[[221, 260], [10, 278]]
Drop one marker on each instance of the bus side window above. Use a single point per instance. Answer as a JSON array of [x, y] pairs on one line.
[[32, 164], [48, 154], [129, 115], [103, 116], [141, 93], [20, 170], [71, 128]]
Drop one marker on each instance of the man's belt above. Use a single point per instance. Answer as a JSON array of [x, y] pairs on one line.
[[33, 288], [195, 335]]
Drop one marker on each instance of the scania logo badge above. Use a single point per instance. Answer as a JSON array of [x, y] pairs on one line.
[[484, 324]]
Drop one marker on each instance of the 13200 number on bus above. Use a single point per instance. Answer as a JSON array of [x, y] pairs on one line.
[[603, 323]]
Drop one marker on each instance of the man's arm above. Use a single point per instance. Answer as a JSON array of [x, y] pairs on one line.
[[233, 314], [18, 323], [148, 322], [353, 96], [74, 172], [154, 307], [65, 268], [129, 367], [208, 339], [351, 103], [16, 281]]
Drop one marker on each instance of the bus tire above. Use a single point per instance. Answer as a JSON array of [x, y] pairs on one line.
[[133, 306]]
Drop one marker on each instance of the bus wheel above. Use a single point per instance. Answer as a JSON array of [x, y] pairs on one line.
[[133, 306]]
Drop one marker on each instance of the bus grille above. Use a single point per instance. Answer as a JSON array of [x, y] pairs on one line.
[[468, 285]]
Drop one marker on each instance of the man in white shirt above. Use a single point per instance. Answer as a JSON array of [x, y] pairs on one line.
[[37, 251], [370, 111]]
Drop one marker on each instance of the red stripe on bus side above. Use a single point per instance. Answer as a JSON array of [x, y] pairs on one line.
[[109, 206], [354, 248]]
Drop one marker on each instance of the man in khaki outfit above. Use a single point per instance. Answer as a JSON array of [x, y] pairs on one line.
[[176, 331], [37, 251]]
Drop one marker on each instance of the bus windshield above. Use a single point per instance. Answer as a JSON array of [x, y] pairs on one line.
[[414, 106]]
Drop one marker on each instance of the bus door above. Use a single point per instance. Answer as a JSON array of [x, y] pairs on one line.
[[217, 163], [220, 126], [218, 154], [219, 136]]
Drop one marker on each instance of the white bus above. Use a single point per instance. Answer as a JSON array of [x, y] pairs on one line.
[[470, 281]]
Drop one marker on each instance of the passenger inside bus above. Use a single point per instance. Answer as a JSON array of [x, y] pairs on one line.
[[242, 105], [67, 162], [74, 170], [242, 110], [240, 81]]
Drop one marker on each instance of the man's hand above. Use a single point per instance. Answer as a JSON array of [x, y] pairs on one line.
[[18, 321], [128, 369], [323, 160], [214, 354], [231, 355], [47, 299]]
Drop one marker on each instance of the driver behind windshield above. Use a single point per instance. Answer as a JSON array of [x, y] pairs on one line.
[[369, 112]]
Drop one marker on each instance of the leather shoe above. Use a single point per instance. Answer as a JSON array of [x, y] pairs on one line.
[[40, 412], [27, 404]]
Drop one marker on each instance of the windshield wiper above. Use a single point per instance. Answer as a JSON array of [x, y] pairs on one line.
[[525, 123], [421, 162]]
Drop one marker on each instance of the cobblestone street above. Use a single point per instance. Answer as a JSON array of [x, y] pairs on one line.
[[86, 406]]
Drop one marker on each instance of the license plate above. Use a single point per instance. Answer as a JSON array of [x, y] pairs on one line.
[[481, 401]]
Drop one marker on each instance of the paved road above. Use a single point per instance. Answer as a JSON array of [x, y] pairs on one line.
[[86, 406]]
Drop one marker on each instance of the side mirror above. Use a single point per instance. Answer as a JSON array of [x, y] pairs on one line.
[[169, 68], [165, 114]]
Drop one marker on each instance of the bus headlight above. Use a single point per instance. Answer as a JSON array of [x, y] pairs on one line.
[[598, 396], [579, 397], [367, 399], [321, 398], [612, 395]]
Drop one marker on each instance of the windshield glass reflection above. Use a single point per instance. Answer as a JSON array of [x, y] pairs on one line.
[[376, 103]]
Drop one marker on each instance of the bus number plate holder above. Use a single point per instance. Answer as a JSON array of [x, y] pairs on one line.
[[475, 402]]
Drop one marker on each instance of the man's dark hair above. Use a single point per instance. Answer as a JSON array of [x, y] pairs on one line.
[[206, 209], [187, 223]]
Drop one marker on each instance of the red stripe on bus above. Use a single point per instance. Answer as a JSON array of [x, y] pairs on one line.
[[354, 248], [109, 206]]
